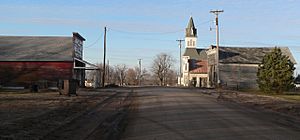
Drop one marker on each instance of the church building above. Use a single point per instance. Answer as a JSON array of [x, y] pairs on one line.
[[194, 60], [237, 65]]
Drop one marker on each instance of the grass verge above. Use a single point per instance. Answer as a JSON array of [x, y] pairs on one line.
[[291, 96]]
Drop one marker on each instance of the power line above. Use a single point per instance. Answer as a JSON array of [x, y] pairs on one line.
[[98, 39], [144, 33], [204, 22], [151, 33], [150, 39], [245, 43]]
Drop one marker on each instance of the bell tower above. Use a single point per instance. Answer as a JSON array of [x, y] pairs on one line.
[[191, 35], [190, 49]]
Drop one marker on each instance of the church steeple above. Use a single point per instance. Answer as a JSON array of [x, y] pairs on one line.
[[191, 31], [191, 35]]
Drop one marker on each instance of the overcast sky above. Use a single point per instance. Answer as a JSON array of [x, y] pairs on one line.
[[143, 28]]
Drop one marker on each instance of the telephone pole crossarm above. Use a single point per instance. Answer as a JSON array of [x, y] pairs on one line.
[[217, 12]]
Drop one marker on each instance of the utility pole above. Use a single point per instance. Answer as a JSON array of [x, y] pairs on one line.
[[140, 71], [108, 80], [104, 55], [180, 63], [217, 12]]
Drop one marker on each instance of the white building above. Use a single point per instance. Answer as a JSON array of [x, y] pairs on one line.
[[237, 65], [194, 60]]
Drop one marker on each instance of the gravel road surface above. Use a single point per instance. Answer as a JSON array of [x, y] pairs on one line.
[[171, 114]]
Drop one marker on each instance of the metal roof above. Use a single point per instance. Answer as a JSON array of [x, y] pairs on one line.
[[197, 54], [248, 55], [36, 48], [198, 66]]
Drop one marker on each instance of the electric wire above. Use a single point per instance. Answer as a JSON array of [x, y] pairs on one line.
[[153, 33], [96, 41], [144, 33]]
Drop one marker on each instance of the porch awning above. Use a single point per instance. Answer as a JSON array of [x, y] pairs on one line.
[[91, 66]]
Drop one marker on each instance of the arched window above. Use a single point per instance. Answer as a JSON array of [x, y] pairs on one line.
[[191, 42]]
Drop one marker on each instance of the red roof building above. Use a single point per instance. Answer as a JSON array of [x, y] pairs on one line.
[[198, 66], [41, 59]]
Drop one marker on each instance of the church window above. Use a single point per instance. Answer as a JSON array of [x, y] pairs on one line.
[[193, 43]]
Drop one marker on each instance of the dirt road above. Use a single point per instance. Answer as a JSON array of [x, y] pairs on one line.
[[170, 114], [93, 114], [138, 114]]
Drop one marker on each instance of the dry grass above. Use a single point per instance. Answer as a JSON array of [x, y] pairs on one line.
[[290, 96], [289, 103]]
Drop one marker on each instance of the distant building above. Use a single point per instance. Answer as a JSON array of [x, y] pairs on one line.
[[25, 60], [194, 60], [237, 65]]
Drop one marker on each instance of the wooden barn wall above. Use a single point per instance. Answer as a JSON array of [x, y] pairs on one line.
[[238, 76], [27, 72]]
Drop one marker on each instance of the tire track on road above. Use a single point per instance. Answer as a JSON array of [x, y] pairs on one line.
[[93, 120]]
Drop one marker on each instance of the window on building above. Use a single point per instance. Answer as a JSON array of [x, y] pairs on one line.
[[193, 43]]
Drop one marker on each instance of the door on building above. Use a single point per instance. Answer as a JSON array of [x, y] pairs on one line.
[[194, 81], [200, 82]]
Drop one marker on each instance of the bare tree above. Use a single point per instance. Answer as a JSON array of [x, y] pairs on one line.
[[161, 65], [94, 76], [112, 77], [132, 76], [171, 78], [145, 76], [120, 72]]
